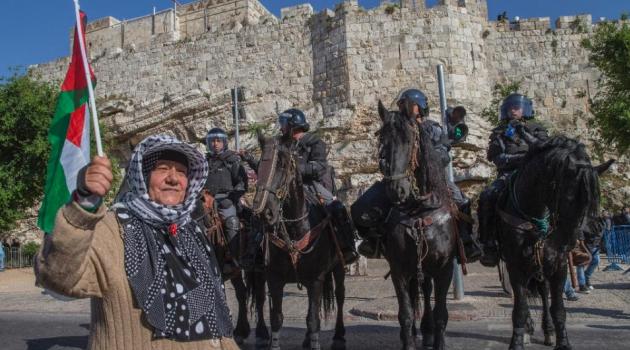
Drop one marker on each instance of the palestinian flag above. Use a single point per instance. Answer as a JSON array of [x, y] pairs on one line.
[[69, 136]]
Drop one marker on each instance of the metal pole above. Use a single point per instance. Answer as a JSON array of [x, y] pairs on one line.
[[458, 279], [236, 119]]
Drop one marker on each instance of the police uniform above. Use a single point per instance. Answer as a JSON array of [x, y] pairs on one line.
[[371, 208], [227, 182], [313, 165], [508, 147]]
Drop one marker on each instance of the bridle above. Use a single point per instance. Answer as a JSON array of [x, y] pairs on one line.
[[281, 191], [410, 171]]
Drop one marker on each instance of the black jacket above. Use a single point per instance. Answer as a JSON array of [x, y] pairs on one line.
[[439, 140], [507, 152], [311, 152], [226, 175]]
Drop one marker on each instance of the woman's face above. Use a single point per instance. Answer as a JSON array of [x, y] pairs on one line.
[[168, 182]]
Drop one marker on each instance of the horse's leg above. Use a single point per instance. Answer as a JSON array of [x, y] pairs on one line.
[[558, 312], [276, 289], [314, 290], [427, 328], [520, 311], [262, 333], [414, 295], [440, 313], [339, 339], [405, 311], [241, 332], [547, 323]]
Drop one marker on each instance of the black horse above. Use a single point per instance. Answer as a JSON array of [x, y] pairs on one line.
[[548, 200], [247, 284], [420, 232], [299, 243]]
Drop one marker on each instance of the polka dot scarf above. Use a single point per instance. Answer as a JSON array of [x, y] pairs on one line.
[[169, 263]]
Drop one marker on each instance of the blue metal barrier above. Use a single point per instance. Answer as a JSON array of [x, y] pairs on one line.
[[617, 242]]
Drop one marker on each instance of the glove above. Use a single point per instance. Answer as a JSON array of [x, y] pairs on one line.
[[529, 138]]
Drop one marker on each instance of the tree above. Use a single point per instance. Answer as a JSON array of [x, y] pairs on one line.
[[26, 108], [610, 52]]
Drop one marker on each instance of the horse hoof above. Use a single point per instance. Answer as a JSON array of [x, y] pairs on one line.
[[338, 344], [527, 339], [548, 340], [306, 343]]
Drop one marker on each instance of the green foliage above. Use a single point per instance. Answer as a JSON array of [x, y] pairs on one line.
[[30, 249], [610, 52], [109, 143], [26, 108], [499, 92]]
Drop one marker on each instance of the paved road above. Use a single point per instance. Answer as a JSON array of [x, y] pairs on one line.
[[54, 331]]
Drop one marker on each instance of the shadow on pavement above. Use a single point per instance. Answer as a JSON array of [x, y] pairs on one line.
[[618, 314], [608, 327], [79, 342], [467, 335], [612, 286]]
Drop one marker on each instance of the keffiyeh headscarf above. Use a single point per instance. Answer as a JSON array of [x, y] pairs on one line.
[[169, 263]]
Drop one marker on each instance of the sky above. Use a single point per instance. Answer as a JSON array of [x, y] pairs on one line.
[[38, 31]]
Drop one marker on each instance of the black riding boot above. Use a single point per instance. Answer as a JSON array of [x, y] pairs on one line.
[[487, 233], [345, 232], [231, 229], [465, 226]]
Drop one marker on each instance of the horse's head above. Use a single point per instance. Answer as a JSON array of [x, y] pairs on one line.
[[277, 172], [397, 152]]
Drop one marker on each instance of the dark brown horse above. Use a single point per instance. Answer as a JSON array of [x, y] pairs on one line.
[[420, 232], [299, 245], [548, 200]]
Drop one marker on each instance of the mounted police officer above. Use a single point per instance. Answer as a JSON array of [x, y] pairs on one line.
[[313, 166], [227, 182], [370, 210], [509, 144]]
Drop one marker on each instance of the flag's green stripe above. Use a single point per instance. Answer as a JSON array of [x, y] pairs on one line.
[[56, 191]]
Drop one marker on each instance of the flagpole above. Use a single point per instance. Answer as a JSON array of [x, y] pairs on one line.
[[86, 68]]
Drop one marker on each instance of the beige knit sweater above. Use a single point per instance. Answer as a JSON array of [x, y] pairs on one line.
[[84, 258]]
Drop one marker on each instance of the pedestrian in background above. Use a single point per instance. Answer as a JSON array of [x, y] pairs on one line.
[[592, 240], [1, 256]]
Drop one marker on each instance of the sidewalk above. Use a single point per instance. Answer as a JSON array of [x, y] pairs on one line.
[[369, 297]]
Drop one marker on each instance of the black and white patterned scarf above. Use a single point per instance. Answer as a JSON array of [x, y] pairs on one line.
[[169, 263]]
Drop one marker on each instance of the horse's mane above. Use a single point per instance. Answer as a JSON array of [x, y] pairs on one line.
[[563, 160], [431, 176], [430, 173]]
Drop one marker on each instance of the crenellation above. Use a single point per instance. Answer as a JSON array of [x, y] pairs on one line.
[[298, 11]]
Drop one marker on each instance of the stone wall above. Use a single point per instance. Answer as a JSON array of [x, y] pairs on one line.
[[167, 73]]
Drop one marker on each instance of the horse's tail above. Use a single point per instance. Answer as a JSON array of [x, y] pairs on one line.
[[328, 295]]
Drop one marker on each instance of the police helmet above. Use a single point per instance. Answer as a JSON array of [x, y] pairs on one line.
[[411, 96], [213, 134], [294, 118], [516, 101]]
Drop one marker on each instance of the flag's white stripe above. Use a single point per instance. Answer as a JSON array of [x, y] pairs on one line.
[[85, 138], [72, 160]]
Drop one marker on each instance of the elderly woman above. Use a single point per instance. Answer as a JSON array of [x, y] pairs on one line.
[[148, 268]]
